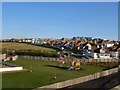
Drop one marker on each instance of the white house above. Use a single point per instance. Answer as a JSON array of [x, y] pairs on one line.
[[115, 52], [87, 51], [37, 41], [101, 53], [108, 44]]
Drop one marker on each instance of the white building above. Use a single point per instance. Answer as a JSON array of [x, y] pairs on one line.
[[99, 53], [37, 41], [108, 44]]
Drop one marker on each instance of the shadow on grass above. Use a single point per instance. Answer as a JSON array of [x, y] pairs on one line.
[[57, 66], [64, 68]]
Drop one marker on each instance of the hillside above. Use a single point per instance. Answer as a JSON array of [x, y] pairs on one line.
[[28, 49], [23, 46]]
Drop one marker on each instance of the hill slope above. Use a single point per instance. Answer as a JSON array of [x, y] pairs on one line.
[[23, 46]]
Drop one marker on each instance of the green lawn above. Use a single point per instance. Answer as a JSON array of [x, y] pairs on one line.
[[23, 46], [43, 72]]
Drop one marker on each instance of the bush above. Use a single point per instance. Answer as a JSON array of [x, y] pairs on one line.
[[33, 53], [107, 65]]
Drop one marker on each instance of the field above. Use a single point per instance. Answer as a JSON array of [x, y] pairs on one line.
[[23, 46], [42, 74], [28, 49]]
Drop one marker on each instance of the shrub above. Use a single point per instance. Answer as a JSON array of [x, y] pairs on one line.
[[33, 53]]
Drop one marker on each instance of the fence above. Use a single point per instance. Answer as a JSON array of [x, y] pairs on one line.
[[56, 59], [11, 58], [80, 79]]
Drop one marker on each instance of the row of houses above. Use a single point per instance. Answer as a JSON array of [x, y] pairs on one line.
[[25, 40], [88, 47], [102, 52]]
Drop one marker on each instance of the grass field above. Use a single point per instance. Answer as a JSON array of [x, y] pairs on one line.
[[23, 46], [42, 74]]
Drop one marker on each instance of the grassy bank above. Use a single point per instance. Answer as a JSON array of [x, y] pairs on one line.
[[28, 49], [24, 46]]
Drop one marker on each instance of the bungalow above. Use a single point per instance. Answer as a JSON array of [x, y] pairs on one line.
[[70, 45], [115, 51], [96, 52], [108, 43], [6, 40], [87, 50], [37, 41], [101, 53], [25, 40]]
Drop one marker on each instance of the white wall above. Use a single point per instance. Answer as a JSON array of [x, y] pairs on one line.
[[104, 57], [109, 45], [95, 56], [107, 56], [11, 69]]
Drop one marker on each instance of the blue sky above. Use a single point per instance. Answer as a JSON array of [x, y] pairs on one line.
[[57, 20]]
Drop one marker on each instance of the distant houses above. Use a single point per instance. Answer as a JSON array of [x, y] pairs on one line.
[[115, 51], [37, 41], [108, 43], [87, 47]]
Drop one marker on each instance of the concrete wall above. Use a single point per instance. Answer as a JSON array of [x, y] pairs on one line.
[[80, 80], [116, 88], [11, 69]]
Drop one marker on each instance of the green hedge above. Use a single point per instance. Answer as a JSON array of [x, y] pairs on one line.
[[32, 53]]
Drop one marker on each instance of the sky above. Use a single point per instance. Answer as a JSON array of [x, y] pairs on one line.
[[60, 19]]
